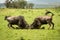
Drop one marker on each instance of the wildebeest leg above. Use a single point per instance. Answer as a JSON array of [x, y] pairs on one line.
[[12, 26], [39, 27], [18, 25], [53, 25], [49, 25], [9, 25]]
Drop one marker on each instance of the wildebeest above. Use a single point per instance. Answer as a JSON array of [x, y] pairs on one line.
[[41, 20], [16, 20]]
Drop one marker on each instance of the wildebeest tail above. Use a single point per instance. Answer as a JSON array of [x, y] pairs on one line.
[[51, 14]]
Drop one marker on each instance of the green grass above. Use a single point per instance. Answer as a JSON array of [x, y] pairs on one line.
[[35, 34]]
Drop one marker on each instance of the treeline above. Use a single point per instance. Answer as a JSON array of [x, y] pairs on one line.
[[18, 4]]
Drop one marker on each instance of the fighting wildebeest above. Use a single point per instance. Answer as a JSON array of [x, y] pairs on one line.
[[16, 20], [41, 20]]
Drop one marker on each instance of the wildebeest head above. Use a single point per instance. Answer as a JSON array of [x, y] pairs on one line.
[[35, 24]]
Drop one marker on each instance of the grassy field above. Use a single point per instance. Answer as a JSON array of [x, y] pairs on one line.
[[35, 34]]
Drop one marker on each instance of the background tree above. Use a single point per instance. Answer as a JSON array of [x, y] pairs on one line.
[[31, 5], [18, 4], [22, 3], [7, 3]]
